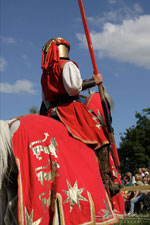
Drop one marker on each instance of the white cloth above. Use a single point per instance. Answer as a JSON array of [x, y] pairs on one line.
[[72, 79]]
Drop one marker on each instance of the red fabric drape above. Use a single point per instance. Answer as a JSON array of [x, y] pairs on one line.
[[57, 173]]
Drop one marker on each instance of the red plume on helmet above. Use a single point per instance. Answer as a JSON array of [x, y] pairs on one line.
[[53, 50]]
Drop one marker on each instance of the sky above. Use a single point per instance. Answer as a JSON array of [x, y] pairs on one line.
[[120, 33]]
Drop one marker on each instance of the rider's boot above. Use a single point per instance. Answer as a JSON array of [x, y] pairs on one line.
[[103, 156]]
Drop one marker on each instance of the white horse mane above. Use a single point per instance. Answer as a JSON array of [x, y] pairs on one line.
[[5, 148]]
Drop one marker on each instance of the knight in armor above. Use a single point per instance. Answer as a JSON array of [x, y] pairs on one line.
[[61, 84]]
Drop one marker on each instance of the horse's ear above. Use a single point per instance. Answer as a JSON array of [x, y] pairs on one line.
[[14, 127]]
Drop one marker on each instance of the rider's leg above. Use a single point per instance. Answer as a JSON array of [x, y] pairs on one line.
[[103, 156]]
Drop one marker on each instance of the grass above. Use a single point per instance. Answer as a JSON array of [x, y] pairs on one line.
[[140, 219]]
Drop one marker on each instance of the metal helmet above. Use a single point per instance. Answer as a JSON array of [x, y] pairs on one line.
[[63, 46]]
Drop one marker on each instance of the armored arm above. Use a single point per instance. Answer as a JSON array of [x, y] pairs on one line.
[[88, 83]]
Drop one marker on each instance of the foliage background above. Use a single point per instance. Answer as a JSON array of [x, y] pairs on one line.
[[134, 149]]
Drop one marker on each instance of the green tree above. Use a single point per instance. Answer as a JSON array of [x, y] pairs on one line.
[[134, 150], [33, 110]]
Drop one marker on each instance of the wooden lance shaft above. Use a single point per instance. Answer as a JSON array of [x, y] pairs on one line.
[[100, 87]]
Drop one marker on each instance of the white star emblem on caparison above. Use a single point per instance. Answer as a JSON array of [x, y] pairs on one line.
[[74, 195]]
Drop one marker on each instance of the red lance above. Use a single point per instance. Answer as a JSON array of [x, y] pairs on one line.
[[107, 117]]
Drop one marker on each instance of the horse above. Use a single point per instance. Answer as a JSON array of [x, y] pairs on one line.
[[48, 177]]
